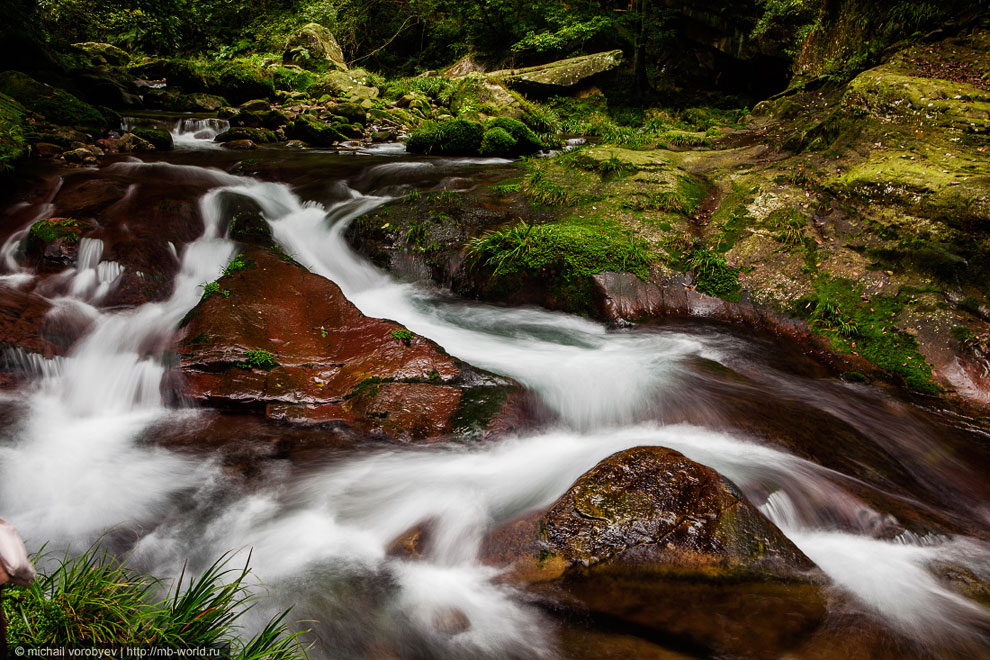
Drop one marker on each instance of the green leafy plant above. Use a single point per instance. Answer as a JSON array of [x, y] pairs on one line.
[[402, 335], [93, 598], [214, 288], [237, 264]]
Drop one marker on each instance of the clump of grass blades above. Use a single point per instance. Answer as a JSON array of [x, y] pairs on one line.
[[93, 598]]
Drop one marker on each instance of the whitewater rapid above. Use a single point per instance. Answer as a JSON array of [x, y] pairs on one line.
[[76, 466]]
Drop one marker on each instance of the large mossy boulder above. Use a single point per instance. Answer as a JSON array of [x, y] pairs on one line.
[[311, 130], [256, 135], [476, 94], [314, 46], [103, 54], [658, 542], [160, 138], [558, 76], [235, 80], [454, 137], [56, 105]]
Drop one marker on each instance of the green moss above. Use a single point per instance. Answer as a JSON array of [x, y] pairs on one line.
[[402, 335], [838, 311], [256, 135], [713, 276], [257, 359], [497, 142], [13, 145], [48, 231], [368, 387], [160, 138], [564, 253], [313, 131], [527, 142], [454, 137], [56, 105], [477, 408]]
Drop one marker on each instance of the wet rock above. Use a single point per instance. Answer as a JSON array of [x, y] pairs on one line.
[[160, 138], [652, 539], [559, 75], [312, 43], [255, 105], [256, 135], [240, 145], [22, 316], [130, 142], [52, 244], [324, 362]]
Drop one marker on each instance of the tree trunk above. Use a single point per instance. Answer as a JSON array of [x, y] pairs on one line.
[[639, 50]]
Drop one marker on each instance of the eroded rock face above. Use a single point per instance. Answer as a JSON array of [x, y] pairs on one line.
[[328, 363], [655, 540]]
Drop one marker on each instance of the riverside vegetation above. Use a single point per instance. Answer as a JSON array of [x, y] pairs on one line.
[[805, 168]]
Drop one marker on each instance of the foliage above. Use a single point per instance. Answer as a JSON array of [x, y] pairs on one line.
[[214, 288], [237, 264], [48, 231], [402, 335], [94, 598]]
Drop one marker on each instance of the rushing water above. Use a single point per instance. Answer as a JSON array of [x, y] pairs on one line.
[[75, 463]]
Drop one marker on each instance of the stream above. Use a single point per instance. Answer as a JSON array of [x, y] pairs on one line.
[[873, 487]]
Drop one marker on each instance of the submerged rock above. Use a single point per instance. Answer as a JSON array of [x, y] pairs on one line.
[[271, 337]]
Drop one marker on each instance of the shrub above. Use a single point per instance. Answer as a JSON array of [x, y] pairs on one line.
[[48, 231], [402, 335]]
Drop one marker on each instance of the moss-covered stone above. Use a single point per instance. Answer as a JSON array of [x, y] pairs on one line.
[[256, 135], [103, 54], [311, 130], [314, 46], [54, 104], [162, 139], [497, 142], [454, 137]]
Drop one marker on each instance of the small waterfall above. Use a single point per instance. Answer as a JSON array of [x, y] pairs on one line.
[[32, 364], [78, 440], [198, 133]]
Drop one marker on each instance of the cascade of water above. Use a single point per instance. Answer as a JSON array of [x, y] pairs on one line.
[[198, 133], [314, 536], [78, 440]]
